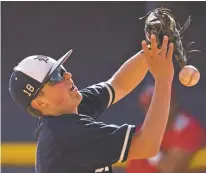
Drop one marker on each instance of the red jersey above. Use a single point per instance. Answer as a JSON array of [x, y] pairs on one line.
[[185, 133]]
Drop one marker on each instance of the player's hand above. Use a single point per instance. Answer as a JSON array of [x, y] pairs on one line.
[[159, 60]]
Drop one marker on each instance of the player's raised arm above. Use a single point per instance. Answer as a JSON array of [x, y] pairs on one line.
[[129, 75], [147, 141]]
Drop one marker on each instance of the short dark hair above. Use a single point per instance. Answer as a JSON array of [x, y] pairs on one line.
[[34, 112]]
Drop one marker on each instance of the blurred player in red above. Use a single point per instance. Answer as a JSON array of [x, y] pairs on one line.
[[182, 138]]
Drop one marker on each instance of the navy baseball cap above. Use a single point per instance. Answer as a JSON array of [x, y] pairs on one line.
[[30, 75]]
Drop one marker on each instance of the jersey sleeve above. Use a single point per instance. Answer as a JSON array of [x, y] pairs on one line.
[[95, 99], [93, 145]]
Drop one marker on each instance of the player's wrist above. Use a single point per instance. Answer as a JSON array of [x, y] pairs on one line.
[[164, 78]]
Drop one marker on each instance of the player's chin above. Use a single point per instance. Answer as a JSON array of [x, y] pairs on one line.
[[79, 96]]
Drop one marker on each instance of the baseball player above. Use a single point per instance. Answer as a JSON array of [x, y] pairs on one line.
[[182, 138], [70, 140]]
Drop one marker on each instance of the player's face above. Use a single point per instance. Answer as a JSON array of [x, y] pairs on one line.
[[62, 96]]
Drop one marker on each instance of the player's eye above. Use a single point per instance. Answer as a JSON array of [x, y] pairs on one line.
[[56, 77]]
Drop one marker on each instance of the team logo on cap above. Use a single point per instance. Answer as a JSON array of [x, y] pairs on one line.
[[42, 58]]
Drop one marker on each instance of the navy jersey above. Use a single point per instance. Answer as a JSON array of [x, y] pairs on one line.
[[76, 143]]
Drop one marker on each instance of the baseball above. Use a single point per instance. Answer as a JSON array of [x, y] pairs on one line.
[[189, 76]]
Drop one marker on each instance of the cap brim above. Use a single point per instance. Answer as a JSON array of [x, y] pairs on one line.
[[57, 64]]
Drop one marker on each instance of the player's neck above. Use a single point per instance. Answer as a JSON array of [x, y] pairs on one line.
[[71, 111], [75, 111], [68, 111]]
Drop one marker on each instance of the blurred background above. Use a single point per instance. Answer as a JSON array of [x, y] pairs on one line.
[[103, 35]]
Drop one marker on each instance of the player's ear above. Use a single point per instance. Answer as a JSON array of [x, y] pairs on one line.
[[39, 104]]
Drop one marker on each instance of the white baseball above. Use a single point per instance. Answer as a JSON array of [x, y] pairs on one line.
[[189, 76]]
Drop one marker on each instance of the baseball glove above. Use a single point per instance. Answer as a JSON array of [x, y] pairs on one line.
[[161, 22]]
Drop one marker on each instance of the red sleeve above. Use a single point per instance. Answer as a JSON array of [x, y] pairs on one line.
[[187, 134]]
